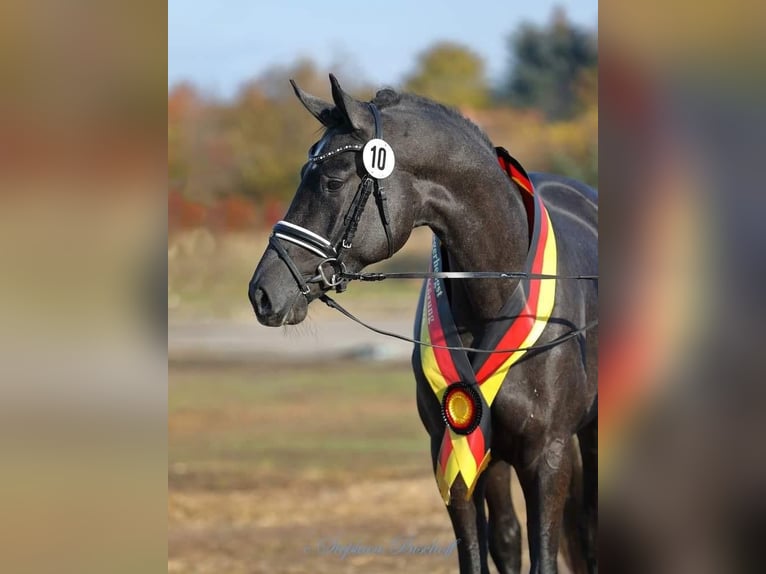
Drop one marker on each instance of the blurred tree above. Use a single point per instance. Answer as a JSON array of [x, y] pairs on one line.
[[450, 74], [586, 89], [274, 83], [573, 147], [546, 64], [200, 159], [183, 104], [268, 131], [222, 155]]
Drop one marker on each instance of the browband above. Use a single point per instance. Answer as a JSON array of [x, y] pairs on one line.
[[329, 154]]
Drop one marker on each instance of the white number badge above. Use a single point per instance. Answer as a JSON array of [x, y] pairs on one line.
[[378, 158]]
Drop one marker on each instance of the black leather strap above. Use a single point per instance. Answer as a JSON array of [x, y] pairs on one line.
[[360, 201], [380, 194], [382, 200], [463, 275], [376, 119], [332, 303], [285, 256]]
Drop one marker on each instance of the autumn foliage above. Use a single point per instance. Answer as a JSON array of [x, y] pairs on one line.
[[235, 164]]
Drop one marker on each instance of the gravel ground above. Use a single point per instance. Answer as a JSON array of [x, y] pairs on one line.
[[316, 339]]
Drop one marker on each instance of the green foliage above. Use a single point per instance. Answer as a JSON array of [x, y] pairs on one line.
[[450, 74], [546, 65]]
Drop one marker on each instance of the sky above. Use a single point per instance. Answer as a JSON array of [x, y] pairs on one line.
[[219, 45]]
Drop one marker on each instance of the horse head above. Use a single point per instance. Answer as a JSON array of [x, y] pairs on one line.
[[356, 204]]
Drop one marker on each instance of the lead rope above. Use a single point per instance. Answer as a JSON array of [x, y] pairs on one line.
[[333, 304]]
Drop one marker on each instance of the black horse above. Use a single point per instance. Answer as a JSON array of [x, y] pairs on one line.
[[437, 169]]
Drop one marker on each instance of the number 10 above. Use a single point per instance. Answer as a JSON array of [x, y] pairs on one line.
[[381, 157]]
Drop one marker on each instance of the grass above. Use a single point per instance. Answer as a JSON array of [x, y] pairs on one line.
[[242, 421], [270, 465], [266, 463]]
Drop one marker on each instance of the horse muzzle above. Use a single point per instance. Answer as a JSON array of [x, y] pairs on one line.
[[274, 295]]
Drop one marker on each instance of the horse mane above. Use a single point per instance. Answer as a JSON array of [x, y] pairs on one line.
[[388, 98]]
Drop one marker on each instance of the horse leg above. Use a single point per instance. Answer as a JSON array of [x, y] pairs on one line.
[[469, 521], [470, 525], [588, 438], [574, 531], [504, 529], [545, 481]]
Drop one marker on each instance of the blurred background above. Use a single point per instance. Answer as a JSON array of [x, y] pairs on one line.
[[259, 457], [283, 443]]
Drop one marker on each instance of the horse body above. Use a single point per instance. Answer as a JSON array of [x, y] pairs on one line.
[[548, 396], [447, 177]]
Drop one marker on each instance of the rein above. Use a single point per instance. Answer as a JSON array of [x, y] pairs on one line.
[[369, 277], [333, 304], [459, 275]]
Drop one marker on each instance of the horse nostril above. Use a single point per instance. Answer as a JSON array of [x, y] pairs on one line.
[[262, 303]]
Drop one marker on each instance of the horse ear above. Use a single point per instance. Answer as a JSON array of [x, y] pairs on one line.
[[357, 113], [321, 110]]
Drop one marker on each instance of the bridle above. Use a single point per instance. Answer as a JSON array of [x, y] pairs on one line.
[[331, 271]]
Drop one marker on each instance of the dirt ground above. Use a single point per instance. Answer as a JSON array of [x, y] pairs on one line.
[[285, 469], [306, 525]]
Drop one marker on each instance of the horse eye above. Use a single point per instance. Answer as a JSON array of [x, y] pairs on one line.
[[334, 184]]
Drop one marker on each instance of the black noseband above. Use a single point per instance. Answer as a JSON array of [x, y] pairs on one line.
[[329, 272]]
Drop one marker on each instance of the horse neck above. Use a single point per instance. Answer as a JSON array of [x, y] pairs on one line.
[[479, 216]]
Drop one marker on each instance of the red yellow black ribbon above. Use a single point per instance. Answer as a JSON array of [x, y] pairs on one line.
[[464, 388]]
